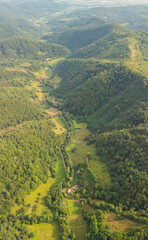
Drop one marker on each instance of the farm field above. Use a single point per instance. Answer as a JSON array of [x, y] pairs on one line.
[[76, 220], [45, 231], [78, 150]]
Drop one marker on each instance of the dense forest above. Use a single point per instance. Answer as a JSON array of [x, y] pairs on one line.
[[25, 48], [73, 121], [108, 95]]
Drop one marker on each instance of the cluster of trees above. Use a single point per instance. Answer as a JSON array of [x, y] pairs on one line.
[[7, 30], [18, 47], [56, 203], [16, 107], [12, 228], [97, 230], [125, 153], [27, 156]]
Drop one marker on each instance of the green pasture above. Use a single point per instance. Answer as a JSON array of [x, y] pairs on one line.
[[76, 219], [78, 152], [45, 231]]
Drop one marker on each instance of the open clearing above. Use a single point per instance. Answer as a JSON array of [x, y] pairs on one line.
[[58, 129], [52, 111], [37, 197], [45, 231], [78, 150], [73, 207], [124, 225]]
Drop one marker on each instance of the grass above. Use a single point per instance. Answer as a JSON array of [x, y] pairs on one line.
[[76, 219], [41, 95], [41, 73], [40, 193], [77, 223], [33, 85], [89, 209], [52, 111], [52, 62], [45, 231], [61, 121], [77, 125], [73, 207], [60, 173], [58, 128], [36, 198], [136, 61], [79, 231], [123, 226], [78, 149]]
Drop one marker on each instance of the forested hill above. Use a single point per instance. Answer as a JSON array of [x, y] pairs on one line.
[[27, 154], [102, 40], [108, 95], [76, 38], [126, 154], [7, 30], [114, 45], [16, 47], [73, 116], [134, 17], [16, 106]]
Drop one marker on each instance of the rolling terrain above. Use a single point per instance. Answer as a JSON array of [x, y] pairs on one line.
[[73, 122]]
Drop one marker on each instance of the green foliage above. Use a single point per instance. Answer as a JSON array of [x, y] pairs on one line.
[[16, 107], [125, 153], [13, 229], [80, 37], [107, 95], [112, 44], [16, 47], [96, 230], [26, 156], [7, 31]]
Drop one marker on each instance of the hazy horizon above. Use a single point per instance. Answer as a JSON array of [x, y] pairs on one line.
[[90, 2]]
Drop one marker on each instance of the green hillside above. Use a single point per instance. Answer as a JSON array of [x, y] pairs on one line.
[[79, 37], [111, 45], [116, 45], [73, 121], [107, 95], [126, 154], [17, 47], [26, 160], [7, 30], [16, 106], [134, 17]]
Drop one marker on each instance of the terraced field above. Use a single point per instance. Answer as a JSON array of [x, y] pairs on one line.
[[76, 220]]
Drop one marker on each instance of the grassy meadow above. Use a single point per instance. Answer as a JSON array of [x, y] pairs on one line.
[[78, 149], [45, 231], [124, 225]]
